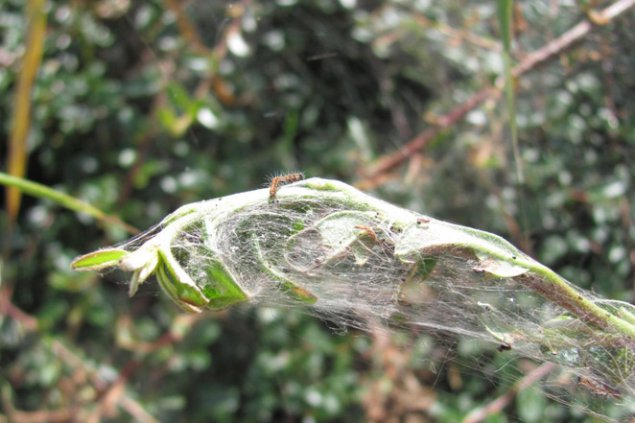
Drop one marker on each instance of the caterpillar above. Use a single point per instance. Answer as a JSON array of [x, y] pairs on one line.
[[278, 181], [368, 231]]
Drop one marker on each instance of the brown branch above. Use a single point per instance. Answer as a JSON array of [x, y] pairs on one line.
[[552, 49], [170, 337], [109, 399], [111, 393], [43, 416], [35, 14], [496, 406], [7, 308], [391, 161], [188, 31], [137, 411], [214, 81], [570, 37]]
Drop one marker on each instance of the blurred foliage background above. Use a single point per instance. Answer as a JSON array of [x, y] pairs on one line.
[[139, 107]]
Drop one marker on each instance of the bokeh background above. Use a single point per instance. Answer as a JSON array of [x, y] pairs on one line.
[[138, 107]]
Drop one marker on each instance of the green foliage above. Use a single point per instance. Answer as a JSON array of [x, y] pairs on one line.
[[136, 117]]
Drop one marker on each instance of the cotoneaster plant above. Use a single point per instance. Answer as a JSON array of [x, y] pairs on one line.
[[346, 256]]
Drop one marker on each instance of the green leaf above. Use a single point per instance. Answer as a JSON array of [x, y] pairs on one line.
[[222, 291], [178, 284], [290, 287], [98, 260], [531, 404]]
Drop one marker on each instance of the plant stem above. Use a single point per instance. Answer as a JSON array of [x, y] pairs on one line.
[[65, 200]]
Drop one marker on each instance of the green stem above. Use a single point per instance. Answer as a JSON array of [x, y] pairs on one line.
[[563, 294], [65, 200], [591, 311]]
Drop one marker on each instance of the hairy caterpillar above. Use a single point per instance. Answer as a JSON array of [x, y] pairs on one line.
[[278, 181], [368, 231]]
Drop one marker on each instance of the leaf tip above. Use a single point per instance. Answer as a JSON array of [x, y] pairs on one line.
[[98, 260]]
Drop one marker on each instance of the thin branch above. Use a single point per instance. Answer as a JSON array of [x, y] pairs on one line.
[[212, 81], [172, 336], [35, 13], [41, 416], [38, 190], [112, 392], [188, 30], [460, 35], [111, 397], [7, 308], [552, 49], [496, 406]]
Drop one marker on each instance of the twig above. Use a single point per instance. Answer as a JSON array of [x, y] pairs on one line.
[[43, 416], [212, 81], [188, 31], [530, 62], [173, 335], [111, 397], [112, 393], [17, 157], [8, 309], [570, 37], [458, 34], [496, 406], [38, 190], [137, 411]]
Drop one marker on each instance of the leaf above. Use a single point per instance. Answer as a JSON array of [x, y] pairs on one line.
[[289, 286], [339, 228], [531, 405], [342, 230], [98, 260], [221, 291], [178, 285], [498, 268], [438, 237]]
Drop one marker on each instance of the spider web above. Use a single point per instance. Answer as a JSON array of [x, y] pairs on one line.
[[354, 261]]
